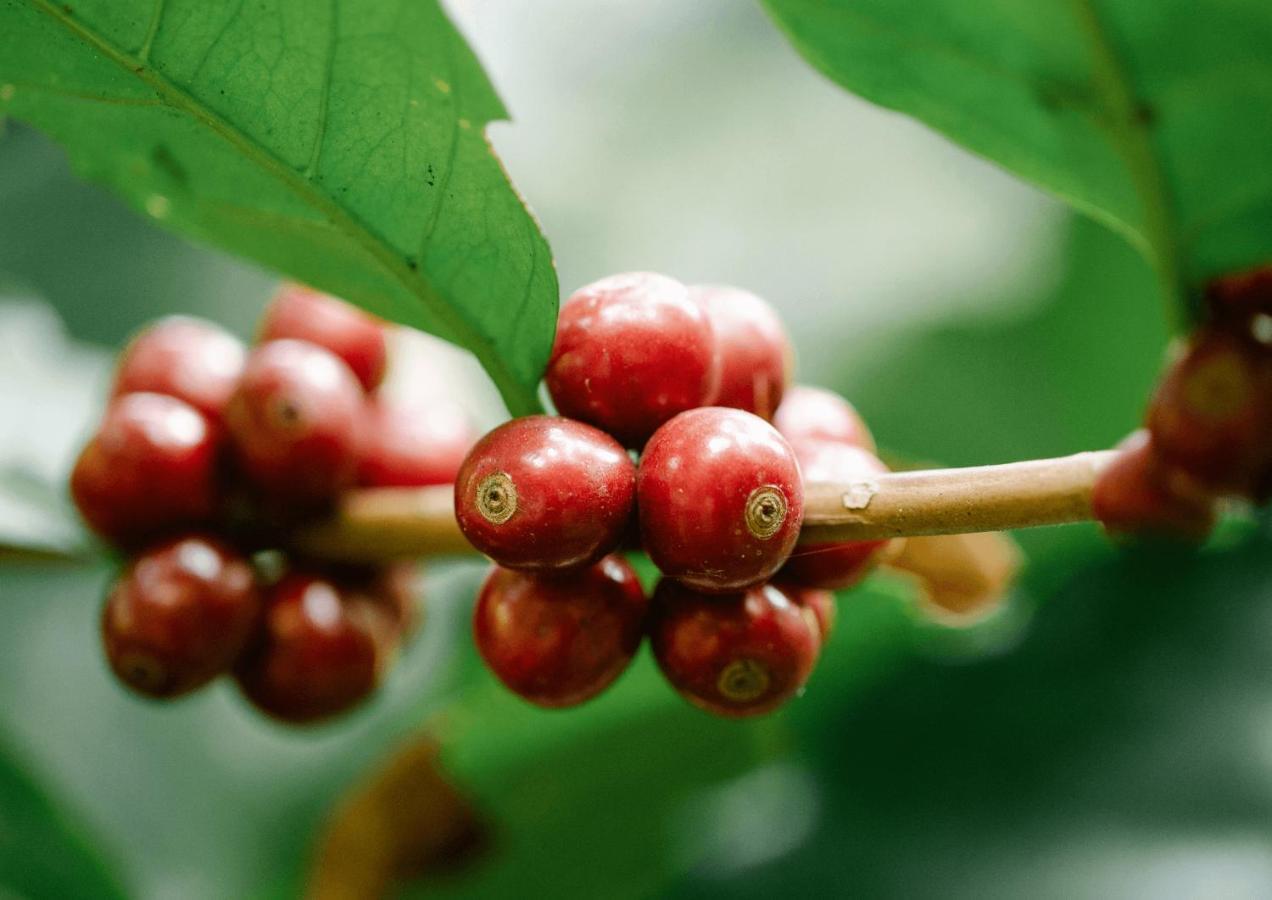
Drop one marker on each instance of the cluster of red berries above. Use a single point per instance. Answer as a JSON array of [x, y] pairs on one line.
[[677, 434], [208, 455], [1208, 433]]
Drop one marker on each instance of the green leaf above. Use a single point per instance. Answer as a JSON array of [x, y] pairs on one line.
[[1154, 118], [340, 142]]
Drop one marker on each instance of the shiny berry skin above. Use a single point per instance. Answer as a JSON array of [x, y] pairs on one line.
[[632, 351], [407, 445], [558, 640], [720, 499], [736, 655], [186, 358], [841, 565], [545, 493], [1139, 493], [816, 414], [819, 604], [303, 314], [322, 650], [295, 419], [1212, 413], [755, 352], [150, 469], [179, 616]]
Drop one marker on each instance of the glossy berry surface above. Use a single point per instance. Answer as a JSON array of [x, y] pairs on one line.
[[303, 314], [545, 493], [321, 650], [186, 358], [406, 445], [840, 565], [720, 499], [150, 469], [632, 351], [815, 603], [179, 616], [1139, 493], [755, 352], [736, 655], [561, 639], [816, 414], [294, 421]]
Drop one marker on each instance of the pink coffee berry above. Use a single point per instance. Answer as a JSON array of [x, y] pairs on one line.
[[186, 358], [1140, 493], [413, 445], [816, 414], [303, 314], [755, 353]]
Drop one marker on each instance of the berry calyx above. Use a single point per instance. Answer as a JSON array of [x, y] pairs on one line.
[[561, 639], [149, 469], [720, 499], [736, 655], [417, 445], [303, 314], [632, 351], [1140, 493], [755, 353], [815, 414], [545, 493], [186, 358], [179, 616], [294, 420]]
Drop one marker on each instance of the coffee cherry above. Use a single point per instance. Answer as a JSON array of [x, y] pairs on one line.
[[631, 352], [179, 615], [558, 640], [544, 493], [1241, 304], [320, 653], [186, 358], [735, 655], [303, 314], [816, 414], [1212, 413], [815, 603], [720, 499], [150, 469], [755, 353], [839, 565], [413, 446], [294, 420], [1140, 493]]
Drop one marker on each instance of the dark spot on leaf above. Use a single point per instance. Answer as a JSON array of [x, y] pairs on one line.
[[430, 177], [412, 264], [1145, 114], [168, 164]]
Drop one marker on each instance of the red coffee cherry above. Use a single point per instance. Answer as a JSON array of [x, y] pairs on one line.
[[736, 655], [816, 414], [755, 353], [179, 616], [303, 314], [841, 565], [1212, 413], [720, 499], [320, 653], [631, 352], [558, 640], [413, 445], [294, 420], [813, 602], [1139, 493], [1241, 304], [150, 469], [186, 358], [544, 493]]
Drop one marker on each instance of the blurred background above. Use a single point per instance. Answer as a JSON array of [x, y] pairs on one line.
[[1107, 734]]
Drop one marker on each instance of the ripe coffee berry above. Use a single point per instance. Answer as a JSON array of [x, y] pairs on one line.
[[560, 639], [814, 602], [736, 655], [755, 352], [543, 493], [189, 359], [1241, 304], [294, 420], [841, 565], [179, 616], [321, 651], [631, 352], [1139, 493], [720, 499], [815, 414], [150, 469], [356, 337], [413, 446]]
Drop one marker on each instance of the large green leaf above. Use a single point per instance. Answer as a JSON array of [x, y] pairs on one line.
[[340, 142], [1153, 117]]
